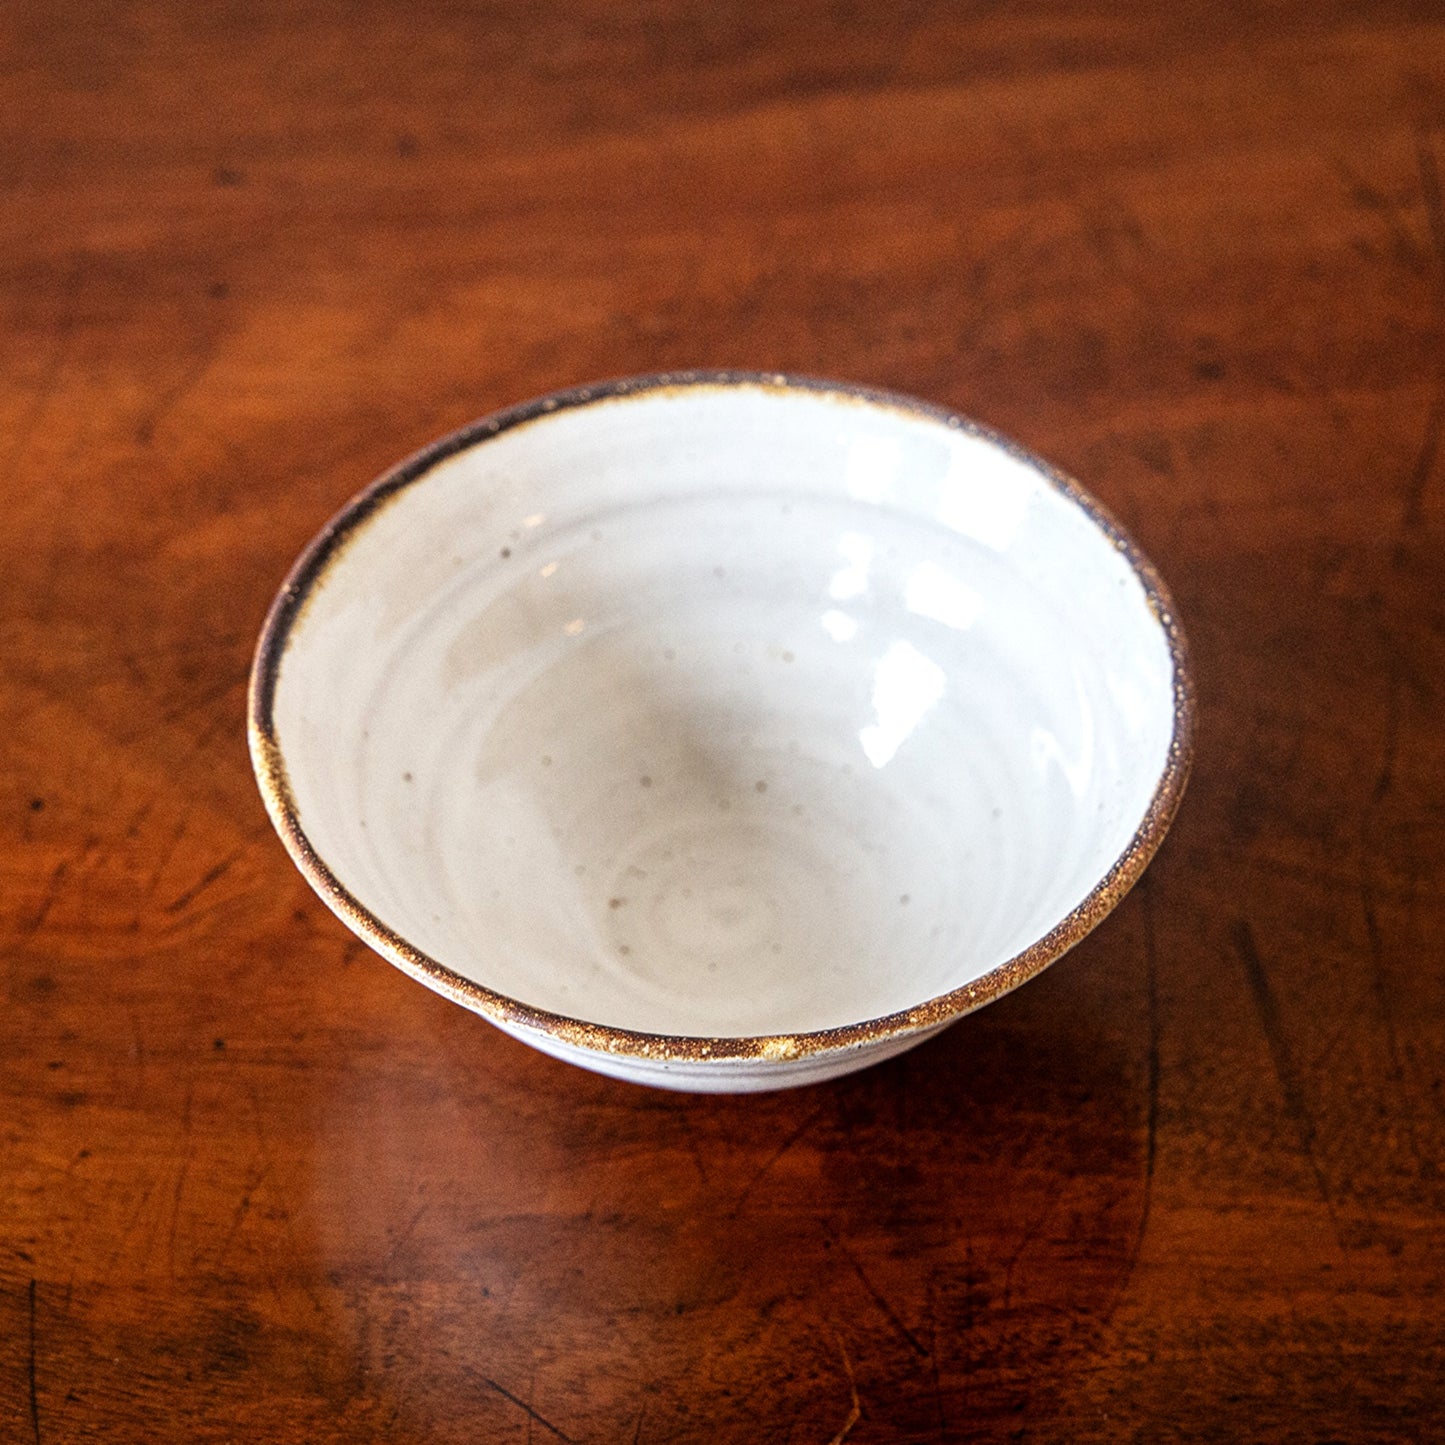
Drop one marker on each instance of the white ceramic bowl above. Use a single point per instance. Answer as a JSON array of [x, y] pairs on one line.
[[722, 732]]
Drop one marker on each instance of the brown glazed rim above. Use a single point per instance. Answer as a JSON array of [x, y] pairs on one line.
[[310, 570]]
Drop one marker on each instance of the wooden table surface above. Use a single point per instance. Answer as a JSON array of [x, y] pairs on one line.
[[256, 1185]]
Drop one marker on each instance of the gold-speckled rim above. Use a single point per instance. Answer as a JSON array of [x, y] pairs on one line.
[[327, 548]]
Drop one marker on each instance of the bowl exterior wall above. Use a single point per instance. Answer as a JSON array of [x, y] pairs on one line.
[[723, 1076]]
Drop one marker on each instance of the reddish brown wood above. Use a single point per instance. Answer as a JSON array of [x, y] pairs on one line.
[[255, 1184]]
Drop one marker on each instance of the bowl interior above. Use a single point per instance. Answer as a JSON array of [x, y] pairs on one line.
[[723, 710]]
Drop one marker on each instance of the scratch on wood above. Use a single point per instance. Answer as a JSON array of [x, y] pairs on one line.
[[1031, 1232], [132, 830], [64, 334], [1272, 1026], [288, 1227], [1384, 785], [542, 1420], [109, 1267], [1382, 993], [1363, 194], [200, 886], [889, 1313], [137, 1045], [52, 892], [407, 1231], [855, 1412], [637, 1433], [1414, 501], [1379, 986], [180, 1177], [773, 1158], [172, 395], [168, 854], [1385, 777], [1430, 194], [932, 1297], [198, 702], [690, 1140], [34, 1391], [1151, 975], [238, 1216]]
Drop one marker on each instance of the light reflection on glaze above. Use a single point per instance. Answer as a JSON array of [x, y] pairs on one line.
[[933, 592], [851, 580], [906, 687]]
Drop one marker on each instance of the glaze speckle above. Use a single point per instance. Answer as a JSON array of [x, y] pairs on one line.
[[924, 808]]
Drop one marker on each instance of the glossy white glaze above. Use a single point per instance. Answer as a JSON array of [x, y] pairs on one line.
[[724, 711]]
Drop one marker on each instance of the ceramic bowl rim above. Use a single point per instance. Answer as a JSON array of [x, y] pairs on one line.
[[327, 548]]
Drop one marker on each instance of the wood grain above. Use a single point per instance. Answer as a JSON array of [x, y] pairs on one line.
[[254, 1184]]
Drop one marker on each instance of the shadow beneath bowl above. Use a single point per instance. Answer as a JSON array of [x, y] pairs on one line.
[[941, 1239]]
